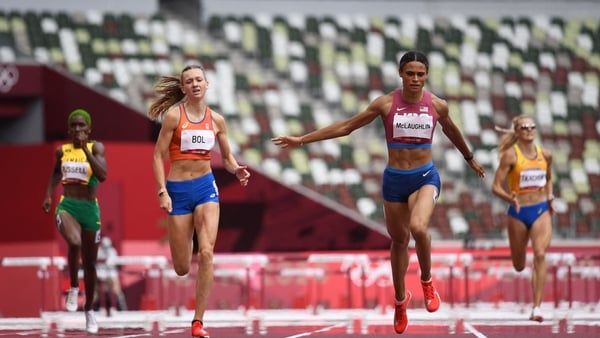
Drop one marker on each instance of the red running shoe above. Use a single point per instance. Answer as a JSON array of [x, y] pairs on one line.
[[198, 330], [400, 318], [431, 296], [536, 315]]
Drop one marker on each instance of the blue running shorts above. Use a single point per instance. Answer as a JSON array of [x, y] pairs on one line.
[[186, 195], [397, 184], [528, 214]]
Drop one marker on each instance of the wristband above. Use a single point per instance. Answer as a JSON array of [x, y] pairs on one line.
[[469, 157]]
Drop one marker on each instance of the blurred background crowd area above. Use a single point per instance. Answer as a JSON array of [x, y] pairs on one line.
[[288, 67]]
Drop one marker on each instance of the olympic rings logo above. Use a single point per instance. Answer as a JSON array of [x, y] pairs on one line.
[[9, 76]]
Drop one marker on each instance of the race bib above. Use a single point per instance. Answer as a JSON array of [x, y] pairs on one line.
[[197, 141], [75, 171], [413, 126], [534, 178]]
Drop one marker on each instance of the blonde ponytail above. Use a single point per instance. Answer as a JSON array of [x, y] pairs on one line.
[[510, 137], [169, 89]]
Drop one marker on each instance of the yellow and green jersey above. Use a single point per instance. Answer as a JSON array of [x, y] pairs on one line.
[[75, 167]]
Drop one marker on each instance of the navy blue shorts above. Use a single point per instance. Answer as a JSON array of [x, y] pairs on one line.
[[528, 214], [397, 184], [186, 195]]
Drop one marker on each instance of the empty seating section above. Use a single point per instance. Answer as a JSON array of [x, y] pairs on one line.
[[292, 73]]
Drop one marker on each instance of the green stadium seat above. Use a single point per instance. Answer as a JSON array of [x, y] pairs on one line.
[[291, 73], [249, 38], [252, 156], [300, 160]]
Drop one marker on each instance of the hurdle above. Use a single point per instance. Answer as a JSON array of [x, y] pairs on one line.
[[590, 274], [454, 266], [241, 267], [347, 265], [42, 263], [153, 266], [314, 274]]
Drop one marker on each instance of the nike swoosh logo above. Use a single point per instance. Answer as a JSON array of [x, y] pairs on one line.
[[426, 173], [400, 108]]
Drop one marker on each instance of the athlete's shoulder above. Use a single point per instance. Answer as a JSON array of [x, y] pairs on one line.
[[172, 117], [546, 152]]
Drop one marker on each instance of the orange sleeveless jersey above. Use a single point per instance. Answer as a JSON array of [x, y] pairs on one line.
[[192, 140], [528, 174]]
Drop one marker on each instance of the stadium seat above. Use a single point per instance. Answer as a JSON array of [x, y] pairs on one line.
[[232, 31], [320, 171], [291, 73], [252, 156], [470, 118], [280, 46], [366, 206], [458, 224], [291, 176]]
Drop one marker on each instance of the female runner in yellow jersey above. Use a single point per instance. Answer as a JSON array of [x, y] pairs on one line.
[[80, 166], [524, 180]]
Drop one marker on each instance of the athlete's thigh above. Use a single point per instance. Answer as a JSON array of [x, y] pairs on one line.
[[69, 228], [421, 204], [396, 219], [180, 237], [206, 223], [518, 237], [541, 233]]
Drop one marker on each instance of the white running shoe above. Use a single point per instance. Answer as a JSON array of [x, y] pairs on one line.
[[536, 314], [72, 297], [91, 325]]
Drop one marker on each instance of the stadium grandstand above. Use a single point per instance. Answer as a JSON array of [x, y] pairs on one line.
[[288, 67]]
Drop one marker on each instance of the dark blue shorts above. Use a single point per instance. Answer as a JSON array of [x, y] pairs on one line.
[[186, 195], [398, 185], [528, 214]]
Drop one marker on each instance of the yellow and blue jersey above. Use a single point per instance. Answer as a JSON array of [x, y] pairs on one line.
[[528, 175]]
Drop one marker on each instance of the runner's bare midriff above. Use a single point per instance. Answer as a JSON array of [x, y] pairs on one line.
[[183, 170], [532, 197], [406, 159], [79, 192]]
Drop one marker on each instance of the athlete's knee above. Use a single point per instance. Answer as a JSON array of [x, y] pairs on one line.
[[74, 246], [400, 239], [420, 234], [181, 268], [205, 256], [539, 257], [88, 265], [519, 266]]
